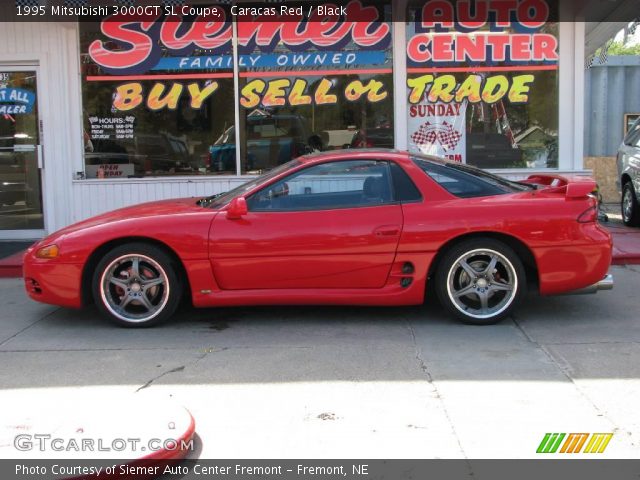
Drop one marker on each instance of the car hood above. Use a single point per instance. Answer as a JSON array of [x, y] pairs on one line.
[[177, 206]]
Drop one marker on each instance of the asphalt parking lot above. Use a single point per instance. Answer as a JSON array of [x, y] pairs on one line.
[[333, 382]]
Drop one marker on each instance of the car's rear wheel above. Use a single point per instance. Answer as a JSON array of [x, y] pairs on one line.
[[630, 207], [136, 285], [480, 281]]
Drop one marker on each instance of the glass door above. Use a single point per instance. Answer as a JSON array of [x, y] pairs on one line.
[[21, 212]]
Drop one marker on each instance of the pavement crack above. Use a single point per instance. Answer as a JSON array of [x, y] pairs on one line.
[[30, 326], [149, 382], [425, 370], [564, 370], [418, 356], [180, 368], [631, 268]]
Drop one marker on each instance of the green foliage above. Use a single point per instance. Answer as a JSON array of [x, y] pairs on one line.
[[618, 48]]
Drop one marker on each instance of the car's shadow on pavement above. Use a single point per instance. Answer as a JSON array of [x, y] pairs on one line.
[[544, 311]]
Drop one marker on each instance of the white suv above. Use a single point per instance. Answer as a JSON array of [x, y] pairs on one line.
[[628, 163]]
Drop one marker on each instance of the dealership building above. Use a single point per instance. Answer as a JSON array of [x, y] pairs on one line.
[[114, 110]]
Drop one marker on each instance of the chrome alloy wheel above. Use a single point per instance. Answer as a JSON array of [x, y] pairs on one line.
[[482, 283], [627, 204], [134, 288]]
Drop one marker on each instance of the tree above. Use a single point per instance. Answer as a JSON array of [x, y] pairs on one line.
[[619, 48]]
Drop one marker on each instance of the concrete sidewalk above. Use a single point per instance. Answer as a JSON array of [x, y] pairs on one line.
[[323, 382]]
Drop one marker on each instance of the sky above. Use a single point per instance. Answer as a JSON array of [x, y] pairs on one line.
[[632, 39]]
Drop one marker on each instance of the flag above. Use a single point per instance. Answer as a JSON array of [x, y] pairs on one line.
[[126, 3], [30, 3]]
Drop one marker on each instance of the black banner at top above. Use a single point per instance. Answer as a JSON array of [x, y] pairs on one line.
[[318, 11]]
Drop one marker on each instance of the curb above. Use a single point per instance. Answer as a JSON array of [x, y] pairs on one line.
[[626, 245], [11, 266], [626, 259]]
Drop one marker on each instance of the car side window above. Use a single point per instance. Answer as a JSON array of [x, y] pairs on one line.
[[459, 182], [404, 190], [633, 136], [339, 184]]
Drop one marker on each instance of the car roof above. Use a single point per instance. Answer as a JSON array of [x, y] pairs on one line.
[[354, 154]]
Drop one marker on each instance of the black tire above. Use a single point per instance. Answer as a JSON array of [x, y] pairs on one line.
[[492, 293], [136, 300], [629, 206]]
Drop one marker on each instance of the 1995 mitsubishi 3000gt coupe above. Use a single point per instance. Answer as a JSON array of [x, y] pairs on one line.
[[355, 227]]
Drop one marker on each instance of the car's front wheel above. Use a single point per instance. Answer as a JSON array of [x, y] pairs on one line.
[[480, 281], [630, 207], [136, 285]]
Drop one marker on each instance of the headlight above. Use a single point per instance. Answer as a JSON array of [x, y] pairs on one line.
[[50, 251]]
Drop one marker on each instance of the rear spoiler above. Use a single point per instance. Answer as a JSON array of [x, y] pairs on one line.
[[572, 187]]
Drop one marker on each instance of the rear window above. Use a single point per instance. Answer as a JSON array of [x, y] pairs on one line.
[[466, 182]]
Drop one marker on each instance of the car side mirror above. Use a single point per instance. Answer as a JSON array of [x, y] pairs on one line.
[[237, 208]]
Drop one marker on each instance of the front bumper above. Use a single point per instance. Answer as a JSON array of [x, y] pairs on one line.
[[48, 281]]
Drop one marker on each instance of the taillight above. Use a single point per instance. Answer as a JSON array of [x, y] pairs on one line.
[[589, 215]]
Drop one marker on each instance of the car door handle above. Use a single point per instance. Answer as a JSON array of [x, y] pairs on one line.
[[387, 231]]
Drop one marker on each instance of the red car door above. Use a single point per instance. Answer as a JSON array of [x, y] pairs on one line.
[[330, 225]]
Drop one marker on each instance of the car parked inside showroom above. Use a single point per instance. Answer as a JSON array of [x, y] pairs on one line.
[[351, 227], [271, 140]]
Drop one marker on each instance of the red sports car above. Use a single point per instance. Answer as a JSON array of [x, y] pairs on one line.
[[365, 227]]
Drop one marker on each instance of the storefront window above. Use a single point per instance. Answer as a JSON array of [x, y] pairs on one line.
[[20, 187], [482, 82], [312, 81], [157, 93]]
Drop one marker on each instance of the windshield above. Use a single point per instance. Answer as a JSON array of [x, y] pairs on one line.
[[216, 201], [466, 181]]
